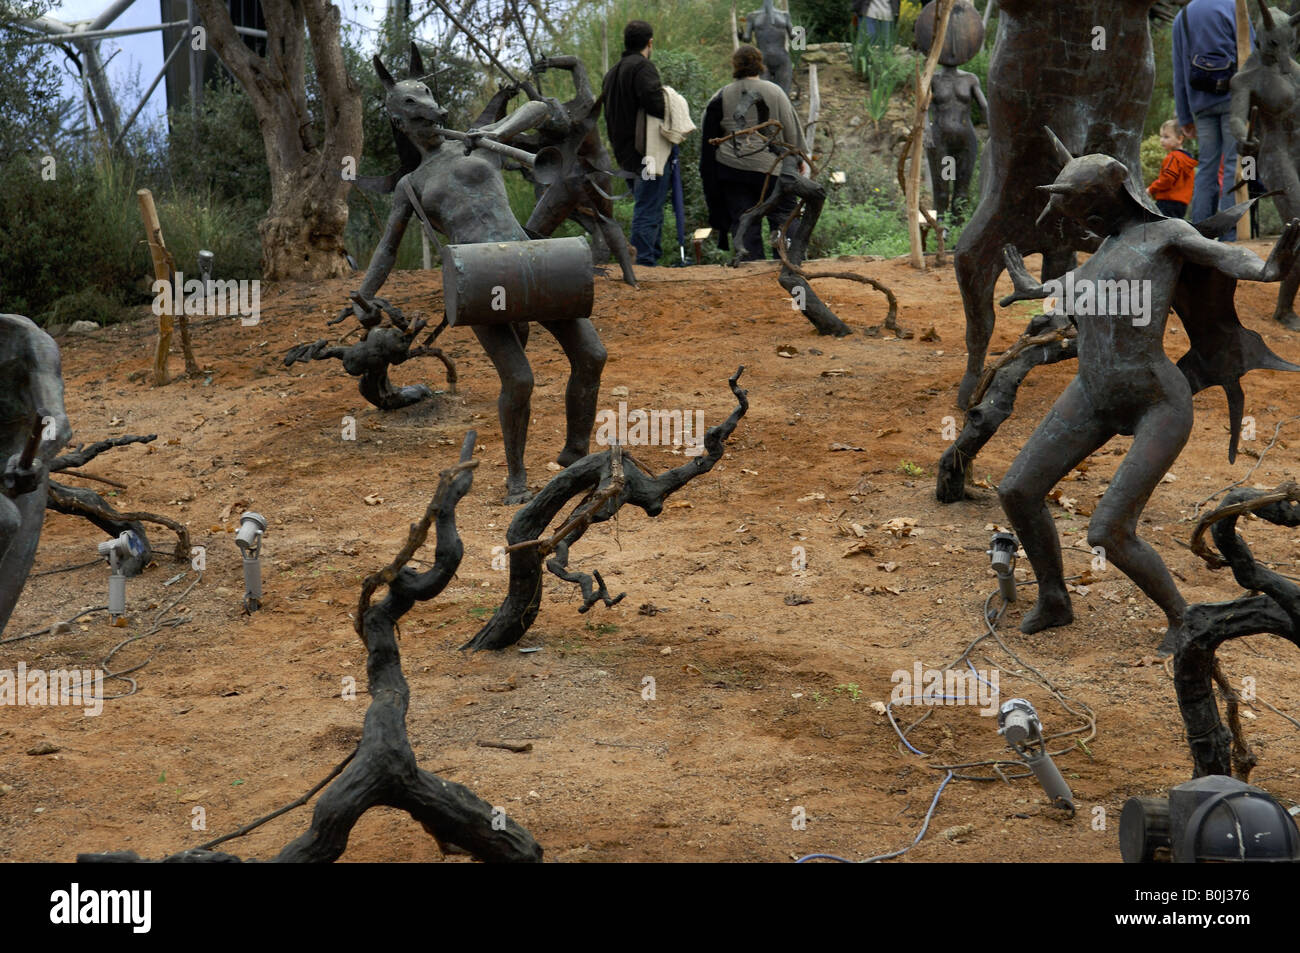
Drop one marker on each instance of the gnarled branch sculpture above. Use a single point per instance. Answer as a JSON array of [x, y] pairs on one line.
[[1209, 625], [384, 771], [610, 479], [381, 346]]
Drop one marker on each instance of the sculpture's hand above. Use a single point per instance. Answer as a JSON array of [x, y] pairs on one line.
[[471, 143], [1027, 289], [1248, 147], [19, 479], [542, 65], [1284, 254]]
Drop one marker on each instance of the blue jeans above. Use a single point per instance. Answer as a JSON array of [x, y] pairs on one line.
[[648, 216], [1216, 142], [881, 32]]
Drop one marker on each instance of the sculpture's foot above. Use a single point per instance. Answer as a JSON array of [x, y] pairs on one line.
[[405, 396], [569, 456], [1290, 320], [515, 497], [1047, 613], [1174, 636]]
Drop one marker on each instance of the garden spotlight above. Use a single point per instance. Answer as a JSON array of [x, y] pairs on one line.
[[252, 526], [1019, 724]]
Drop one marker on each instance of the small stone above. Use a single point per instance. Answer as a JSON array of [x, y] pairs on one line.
[[44, 747]]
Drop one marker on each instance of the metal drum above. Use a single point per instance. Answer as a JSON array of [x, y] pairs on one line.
[[549, 279]]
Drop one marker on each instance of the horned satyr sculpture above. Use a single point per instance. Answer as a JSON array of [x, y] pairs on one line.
[[1266, 124], [1087, 68], [1120, 300], [460, 192], [33, 428]]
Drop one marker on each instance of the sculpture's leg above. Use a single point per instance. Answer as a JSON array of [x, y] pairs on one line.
[[1287, 179], [1070, 432], [586, 357], [978, 263], [967, 157], [552, 208], [513, 405], [1159, 438], [611, 233], [942, 191]]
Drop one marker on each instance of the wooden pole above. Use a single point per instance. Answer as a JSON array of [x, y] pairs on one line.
[[1243, 53], [161, 272], [814, 106], [735, 29], [916, 152]]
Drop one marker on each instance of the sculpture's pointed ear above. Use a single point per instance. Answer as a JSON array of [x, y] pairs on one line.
[[1294, 19], [1063, 156], [385, 77], [417, 64], [1265, 14]]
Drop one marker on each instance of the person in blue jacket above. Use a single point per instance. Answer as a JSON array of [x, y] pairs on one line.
[[1205, 57]]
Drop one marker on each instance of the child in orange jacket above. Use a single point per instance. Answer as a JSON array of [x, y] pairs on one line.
[[1172, 188]]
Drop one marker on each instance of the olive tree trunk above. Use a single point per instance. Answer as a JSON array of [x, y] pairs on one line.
[[302, 234]]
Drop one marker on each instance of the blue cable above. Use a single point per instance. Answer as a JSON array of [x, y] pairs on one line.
[[925, 826]]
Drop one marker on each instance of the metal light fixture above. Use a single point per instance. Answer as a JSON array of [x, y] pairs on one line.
[[1002, 555], [1019, 724], [252, 527], [116, 551], [1214, 819], [206, 262]]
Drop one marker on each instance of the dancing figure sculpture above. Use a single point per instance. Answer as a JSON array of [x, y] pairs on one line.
[[1120, 300], [457, 189]]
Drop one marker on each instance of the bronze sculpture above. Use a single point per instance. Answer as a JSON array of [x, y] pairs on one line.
[[33, 428], [460, 192], [950, 142], [1089, 67], [1266, 124], [769, 29], [1125, 384]]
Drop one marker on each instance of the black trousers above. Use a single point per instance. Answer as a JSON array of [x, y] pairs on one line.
[[1171, 208], [741, 190]]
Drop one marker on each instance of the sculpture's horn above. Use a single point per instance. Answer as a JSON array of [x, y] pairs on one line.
[[385, 77], [417, 63], [1294, 19], [1063, 155], [1266, 15], [1056, 188]]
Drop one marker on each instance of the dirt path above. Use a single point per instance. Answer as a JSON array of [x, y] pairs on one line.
[[760, 708]]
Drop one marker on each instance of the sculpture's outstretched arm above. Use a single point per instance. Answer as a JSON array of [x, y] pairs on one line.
[[1237, 262]]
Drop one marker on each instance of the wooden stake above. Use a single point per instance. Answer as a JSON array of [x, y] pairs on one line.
[[1243, 53], [916, 152], [161, 272], [814, 107], [735, 29]]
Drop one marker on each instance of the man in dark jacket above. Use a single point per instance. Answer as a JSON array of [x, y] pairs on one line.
[[1205, 52], [632, 91]]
